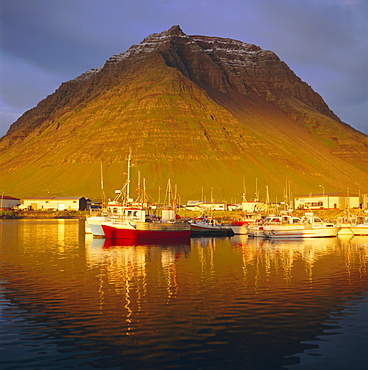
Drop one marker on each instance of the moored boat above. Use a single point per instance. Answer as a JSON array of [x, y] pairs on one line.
[[345, 229], [310, 227], [345, 223], [135, 226], [361, 228], [239, 227], [113, 209], [257, 228], [209, 227], [93, 225]]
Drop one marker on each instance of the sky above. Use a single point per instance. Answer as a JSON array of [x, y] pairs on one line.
[[44, 43]]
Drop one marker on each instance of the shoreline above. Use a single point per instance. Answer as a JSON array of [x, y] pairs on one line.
[[221, 216], [17, 215]]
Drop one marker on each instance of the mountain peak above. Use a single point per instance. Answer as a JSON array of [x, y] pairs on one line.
[[211, 107], [175, 31]]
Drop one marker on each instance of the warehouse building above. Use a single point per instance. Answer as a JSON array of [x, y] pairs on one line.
[[56, 203], [327, 201], [7, 202]]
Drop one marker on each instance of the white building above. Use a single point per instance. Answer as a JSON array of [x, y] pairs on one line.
[[216, 206], [7, 202], [253, 206], [327, 201], [365, 201], [234, 207], [56, 203], [196, 205], [193, 205]]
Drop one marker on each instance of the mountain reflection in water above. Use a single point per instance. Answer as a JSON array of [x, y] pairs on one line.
[[69, 300]]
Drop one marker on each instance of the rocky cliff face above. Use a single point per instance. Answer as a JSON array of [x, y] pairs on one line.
[[206, 106]]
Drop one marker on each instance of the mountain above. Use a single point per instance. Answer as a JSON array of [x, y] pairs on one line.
[[215, 115]]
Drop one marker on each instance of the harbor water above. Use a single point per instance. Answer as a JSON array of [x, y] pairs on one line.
[[68, 300]]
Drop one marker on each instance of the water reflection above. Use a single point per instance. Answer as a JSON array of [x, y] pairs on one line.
[[282, 257], [211, 303], [342, 343], [124, 264]]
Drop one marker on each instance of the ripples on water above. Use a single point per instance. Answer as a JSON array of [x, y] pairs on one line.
[[68, 300]]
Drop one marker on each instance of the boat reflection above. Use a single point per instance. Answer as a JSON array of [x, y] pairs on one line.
[[108, 243], [272, 257], [129, 267], [245, 299]]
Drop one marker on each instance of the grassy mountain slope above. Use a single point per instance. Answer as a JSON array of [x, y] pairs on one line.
[[190, 116]]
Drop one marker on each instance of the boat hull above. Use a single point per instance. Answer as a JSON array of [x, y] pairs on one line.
[[239, 229], [111, 243], [256, 232], [198, 230], [359, 230], [345, 230], [322, 232], [142, 231], [93, 225]]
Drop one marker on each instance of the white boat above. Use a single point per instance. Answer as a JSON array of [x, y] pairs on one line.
[[114, 209], [346, 222], [93, 225], [269, 223], [239, 227], [309, 227], [345, 228], [361, 228], [255, 230]]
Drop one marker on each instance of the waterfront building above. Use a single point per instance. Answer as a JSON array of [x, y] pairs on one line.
[[253, 206], [7, 202], [327, 201], [365, 201], [56, 203]]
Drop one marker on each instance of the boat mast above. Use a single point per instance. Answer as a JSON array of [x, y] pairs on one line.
[[102, 189], [267, 200], [175, 197], [128, 179], [168, 193], [244, 196]]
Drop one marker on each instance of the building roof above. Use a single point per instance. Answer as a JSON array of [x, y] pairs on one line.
[[340, 194], [7, 197]]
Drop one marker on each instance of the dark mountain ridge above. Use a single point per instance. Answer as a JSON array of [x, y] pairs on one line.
[[196, 109]]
